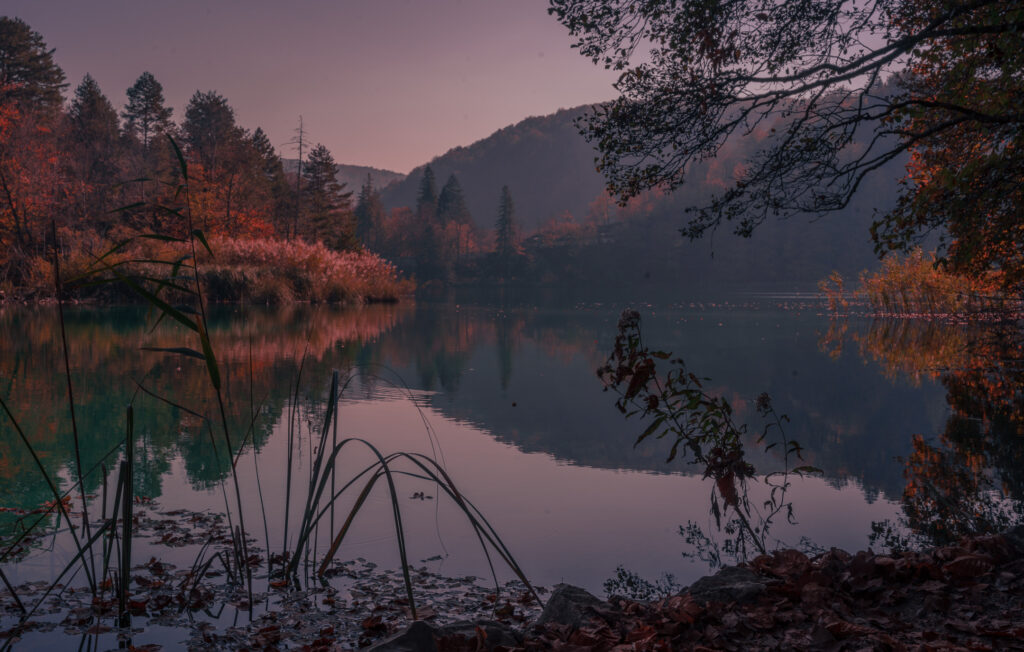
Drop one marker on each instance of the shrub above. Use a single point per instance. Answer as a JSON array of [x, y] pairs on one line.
[[918, 283]]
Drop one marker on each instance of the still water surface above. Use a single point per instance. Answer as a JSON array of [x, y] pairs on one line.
[[507, 398]]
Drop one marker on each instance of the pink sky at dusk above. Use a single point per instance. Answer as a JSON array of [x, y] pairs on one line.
[[387, 83]]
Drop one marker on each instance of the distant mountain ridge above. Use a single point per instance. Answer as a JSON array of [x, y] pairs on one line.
[[353, 176], [550, 170], [545, 162]]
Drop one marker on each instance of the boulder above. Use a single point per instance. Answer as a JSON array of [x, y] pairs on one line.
[[421, 637], [495, 633], [731, 584], [571, 605], [417, 637]]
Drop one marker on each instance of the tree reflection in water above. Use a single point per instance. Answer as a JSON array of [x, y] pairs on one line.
[[969, 480]]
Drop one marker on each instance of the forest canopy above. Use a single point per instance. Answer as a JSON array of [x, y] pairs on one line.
[[940, 80]]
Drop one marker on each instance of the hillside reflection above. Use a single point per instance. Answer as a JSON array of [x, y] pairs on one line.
[[969, 479], [259, 353], [521, 375]]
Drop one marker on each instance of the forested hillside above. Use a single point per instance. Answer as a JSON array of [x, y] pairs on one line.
[[567, 229], [543, 160]]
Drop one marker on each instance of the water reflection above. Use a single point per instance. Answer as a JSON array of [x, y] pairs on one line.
[[259, 353], [524, 376], [969, 479]]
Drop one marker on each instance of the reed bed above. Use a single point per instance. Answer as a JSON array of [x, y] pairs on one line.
[[917, 284], [269, 271], [171, 274]]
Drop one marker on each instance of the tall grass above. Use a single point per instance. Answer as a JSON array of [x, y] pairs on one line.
[[917, 284], [173, 280], [248, 270]]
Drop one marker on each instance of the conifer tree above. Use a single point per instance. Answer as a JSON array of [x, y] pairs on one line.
[[454, 218], [145, 115], [327, 204], [275, 179], [428, 234], [209, 129], [29, 78], [369, 215], [94, 147], [94, 130], [505, 232], [426, 198], [147, 122], [451, 203]]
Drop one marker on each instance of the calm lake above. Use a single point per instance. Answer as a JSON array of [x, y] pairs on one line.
[[505, 396]]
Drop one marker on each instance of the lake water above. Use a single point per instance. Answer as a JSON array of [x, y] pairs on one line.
[[505, 396]]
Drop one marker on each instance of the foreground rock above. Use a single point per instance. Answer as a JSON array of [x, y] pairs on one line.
[[421, 637], [969, 596]]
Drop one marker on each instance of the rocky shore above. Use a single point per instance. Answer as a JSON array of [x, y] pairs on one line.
[[968, 597]]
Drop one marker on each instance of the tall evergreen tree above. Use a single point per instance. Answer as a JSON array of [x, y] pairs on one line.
[[147, 122], [369, 215], [328, 206], [29, 78], [93, 127], [145, 115], [93, 145], [209, 129], [427, 234], [451, 203], [505, 232], [426, 198], [272, 167], [272, 164], [454, 218]]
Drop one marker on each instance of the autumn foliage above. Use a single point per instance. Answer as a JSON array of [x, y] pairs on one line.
[[917, 283], [80, 180]]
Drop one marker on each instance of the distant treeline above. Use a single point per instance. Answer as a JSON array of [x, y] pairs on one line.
[[533, 209], [77, 177], [566, 229]]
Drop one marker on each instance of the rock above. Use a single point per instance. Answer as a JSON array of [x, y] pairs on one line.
[[417, 637], [421, 637], [496, 633], [731, 584], [1016, 538], [571, 605]]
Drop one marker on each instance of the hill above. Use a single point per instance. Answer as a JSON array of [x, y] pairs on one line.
[[547, 165], [353, 176]]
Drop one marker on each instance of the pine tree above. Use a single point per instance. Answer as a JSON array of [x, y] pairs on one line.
[[29, 78], [94, 130], [369, 215], [451, 203], [327, 204], [209, 129], [427, 232], [94, 147], [426, 198], [505, 232], [147, 122], [454, 218], [272, 168], [145, 114]]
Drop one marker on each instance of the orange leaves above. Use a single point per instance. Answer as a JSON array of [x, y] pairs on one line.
[[964, 596], [682, 609]]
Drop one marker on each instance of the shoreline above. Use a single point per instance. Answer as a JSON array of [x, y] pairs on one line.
[[967, 595]]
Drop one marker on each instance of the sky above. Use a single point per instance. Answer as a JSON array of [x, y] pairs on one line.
[[386, 83]]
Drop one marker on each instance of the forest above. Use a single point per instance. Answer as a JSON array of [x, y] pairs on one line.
[[79, 179], [524, 206], [761, 307]]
